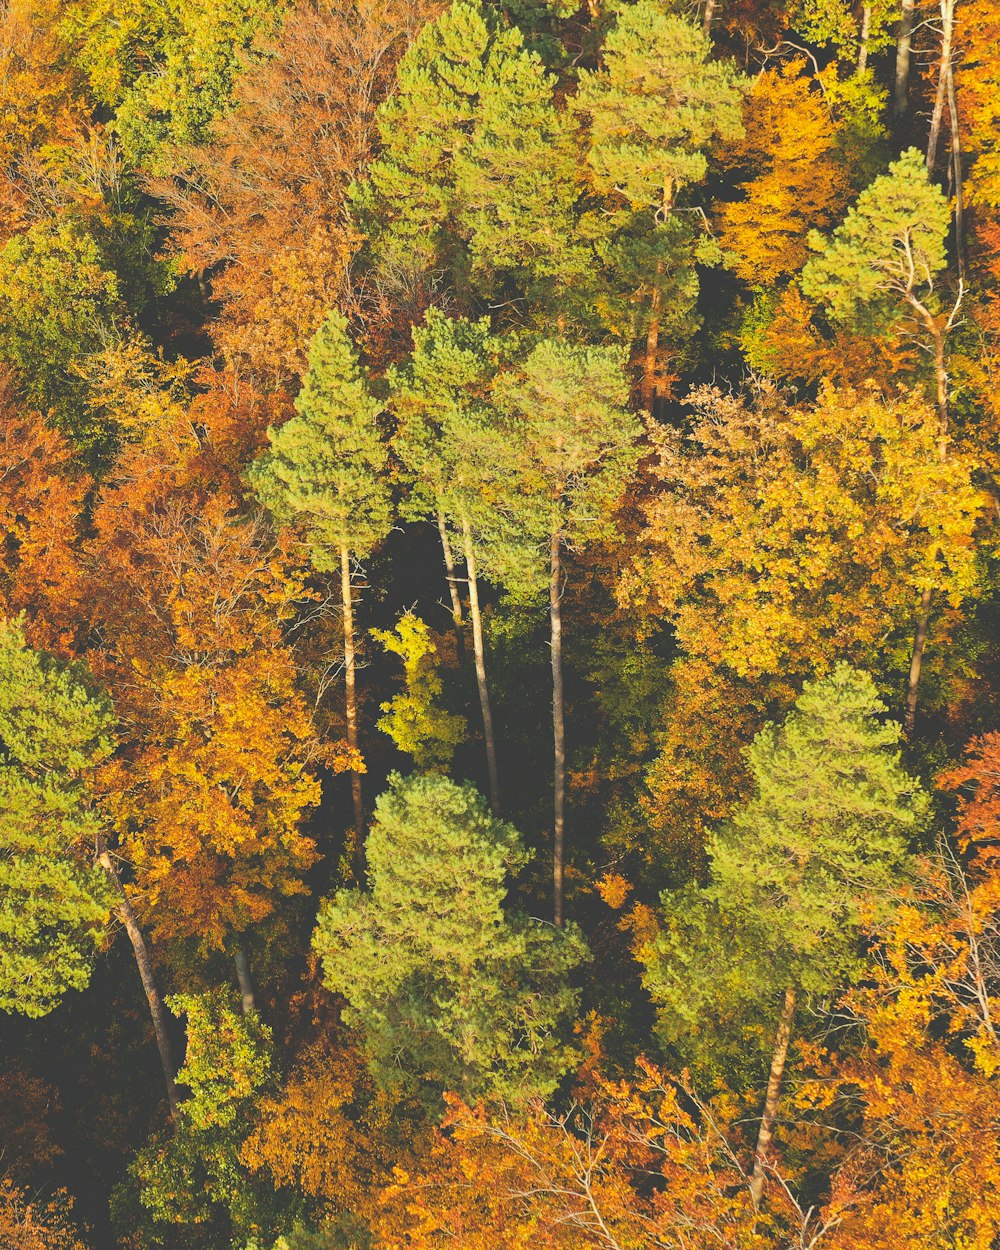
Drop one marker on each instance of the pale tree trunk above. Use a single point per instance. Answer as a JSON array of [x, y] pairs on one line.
[[456, 598], [916, 662], [479, 653], [351, 707], [944, 70], [649, 384], [157, 1011], [558, 728], [956, 163], [708, 16], [904, 46], [766, 1131], [243, 975], [866, 28], [937, 333], [652, 344]]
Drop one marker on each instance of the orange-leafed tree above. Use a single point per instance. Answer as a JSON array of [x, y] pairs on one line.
[[923, 1084], [28, 1223], [42, 497], [211, 790], [794, 180], [626, 1165], [261, 208]]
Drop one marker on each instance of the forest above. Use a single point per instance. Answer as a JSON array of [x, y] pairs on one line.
[[499, 624]]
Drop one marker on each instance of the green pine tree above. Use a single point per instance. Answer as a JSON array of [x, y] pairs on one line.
[[651, 111], [55, 901], [570, 450], [891, 246], [326, 473], [451, 991], [450, 444], [793, 875], [476, 176]]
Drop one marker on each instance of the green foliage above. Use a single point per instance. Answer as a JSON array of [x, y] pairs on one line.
[[892, 242], [326, 471], [59, 302], [571, 450], [655, 105], [54, 901], [440, 401], [835, 23], [413, 719], [450, 990], [796, 871], [476, 173], [185, 1178], [166, 67], [451, 442]]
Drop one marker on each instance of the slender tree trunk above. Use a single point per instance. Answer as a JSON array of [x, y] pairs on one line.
[[766, 1130], [956, 165], [866, 28], [944, 68], [242, 962], [708, 16], [655, 301], [157, 1011], [924, 615], [652, 344], [558, 727], [904, 45], [351, 705], [479, 652], [456, 598], [916, 662]]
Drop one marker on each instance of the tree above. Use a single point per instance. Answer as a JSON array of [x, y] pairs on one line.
[[166, 67], [572, 449], [796, 181], [42, 499], [650, 111], [413, 718], [260, 206], [450, 991], [782, 538], [449, 443], [855, 32], [27, 1224], [211, 789], [476, 173], [55, 729], [891, 248], [197, 1171], [326, 474], [794, 875], [59, 298]]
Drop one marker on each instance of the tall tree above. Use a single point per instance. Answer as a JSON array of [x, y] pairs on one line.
[[781, 538], [55, 729], [260, 207], [451, 991], [889, 251], [326, 472], [651, 110], [166, 67], [476, 171], [794, 876], [572, 449], [449, 443]]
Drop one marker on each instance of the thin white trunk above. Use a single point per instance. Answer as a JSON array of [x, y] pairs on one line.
[[479, 651]]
